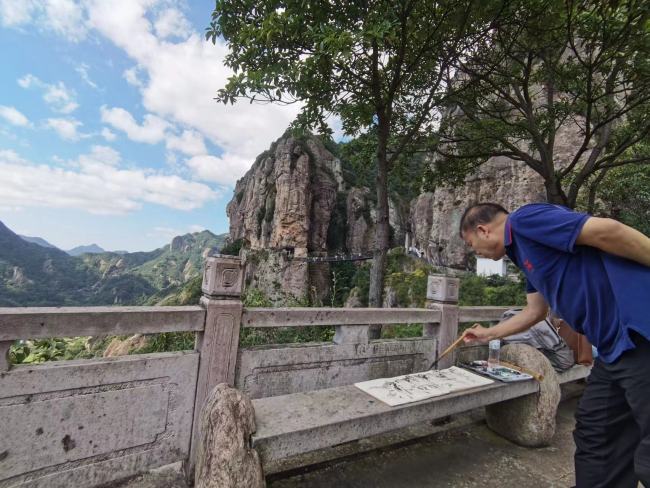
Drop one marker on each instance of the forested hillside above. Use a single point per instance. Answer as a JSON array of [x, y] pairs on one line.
[[34, 275]]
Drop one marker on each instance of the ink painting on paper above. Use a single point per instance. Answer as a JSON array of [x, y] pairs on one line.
[[421, 386]]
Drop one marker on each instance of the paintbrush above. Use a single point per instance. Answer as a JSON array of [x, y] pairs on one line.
[[448, 350]]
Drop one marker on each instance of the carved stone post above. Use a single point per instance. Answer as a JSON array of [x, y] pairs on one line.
[[219, 341], [442, 294]]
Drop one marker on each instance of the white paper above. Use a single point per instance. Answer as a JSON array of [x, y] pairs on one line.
[[420, 386]]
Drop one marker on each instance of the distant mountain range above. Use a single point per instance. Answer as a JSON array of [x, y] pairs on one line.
[[91, 249], [37, 240], [35, 273], [75, 251]]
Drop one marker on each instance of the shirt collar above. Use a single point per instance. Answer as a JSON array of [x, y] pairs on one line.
[[507, 229]]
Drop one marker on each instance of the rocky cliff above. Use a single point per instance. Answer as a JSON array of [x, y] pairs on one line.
[[287, 198], [297, 200], [434, 217]]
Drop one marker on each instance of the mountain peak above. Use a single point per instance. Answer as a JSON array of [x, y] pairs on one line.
[[89, 249], [37, 240]]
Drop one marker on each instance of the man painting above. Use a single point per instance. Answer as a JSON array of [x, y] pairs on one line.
[[595, 274]]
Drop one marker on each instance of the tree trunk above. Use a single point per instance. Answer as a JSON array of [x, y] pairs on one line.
[[378, 269], [593, 189], [554, 193]]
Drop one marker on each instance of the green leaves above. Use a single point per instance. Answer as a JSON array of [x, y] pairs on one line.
[[357, 61], [552, 70]]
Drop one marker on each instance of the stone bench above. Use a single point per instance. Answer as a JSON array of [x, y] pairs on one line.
[[291, 425]]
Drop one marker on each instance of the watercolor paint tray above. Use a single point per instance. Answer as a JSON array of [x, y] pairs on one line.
[[502, 373]]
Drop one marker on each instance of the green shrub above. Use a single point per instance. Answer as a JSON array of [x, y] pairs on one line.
[[233, 248], [51, 349], [168, 342], [492, 290]]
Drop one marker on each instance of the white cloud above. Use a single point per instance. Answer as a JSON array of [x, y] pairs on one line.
[[96, 184], [177, 74], [108, 134], [151, 131], [197, 228], [225, 170], [58, 97], [82, 69], [66, 128], [131, 76], [100, 155], [11, 157], [172, 23], [16, 12], [64, 17], [28, 80], [189, 142], [13, 116], [182, 79]]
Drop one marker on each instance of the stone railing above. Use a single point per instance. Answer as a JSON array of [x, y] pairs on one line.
[[88, 422]]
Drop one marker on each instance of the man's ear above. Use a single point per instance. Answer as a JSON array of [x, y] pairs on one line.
[[482, 230]]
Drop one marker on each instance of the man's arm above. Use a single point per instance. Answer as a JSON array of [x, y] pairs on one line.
[[616, 238], [534, 311]]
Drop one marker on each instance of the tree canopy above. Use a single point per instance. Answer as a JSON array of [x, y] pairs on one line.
[[557, 68], [380, 66]]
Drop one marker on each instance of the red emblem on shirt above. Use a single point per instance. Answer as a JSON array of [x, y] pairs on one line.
[[529, 266]]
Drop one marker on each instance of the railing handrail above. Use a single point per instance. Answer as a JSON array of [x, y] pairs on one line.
[[309, 317], [483, 313], [41, 322]]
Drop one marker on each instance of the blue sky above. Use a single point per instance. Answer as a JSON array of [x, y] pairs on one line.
[[109, 133]]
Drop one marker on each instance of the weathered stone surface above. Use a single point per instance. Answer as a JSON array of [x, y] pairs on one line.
[[283, 207], [334, 416], [351, 334], [118, 347], [530, 420], [287, 197], [421, 220], [4, 355], [225, 458], [435, 217], [86, 423], [353, 300], [281, 278], [360, 221], [295, 192], [277, 370]]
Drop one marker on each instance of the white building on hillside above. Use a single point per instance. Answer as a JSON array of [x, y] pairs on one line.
[[488, 267]]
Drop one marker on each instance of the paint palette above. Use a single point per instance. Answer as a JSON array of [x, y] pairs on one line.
[[501, 373]]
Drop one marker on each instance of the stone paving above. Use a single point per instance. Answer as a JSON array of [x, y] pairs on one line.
[[473, 457]]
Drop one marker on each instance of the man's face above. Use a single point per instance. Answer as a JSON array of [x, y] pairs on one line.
[[485, 242]]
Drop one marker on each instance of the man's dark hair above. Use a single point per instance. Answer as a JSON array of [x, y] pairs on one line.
[[478, 214]]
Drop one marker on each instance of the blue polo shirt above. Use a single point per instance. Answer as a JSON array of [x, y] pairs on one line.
[[600, 295]]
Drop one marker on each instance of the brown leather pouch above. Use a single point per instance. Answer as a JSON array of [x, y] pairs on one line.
[[578, 343]]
